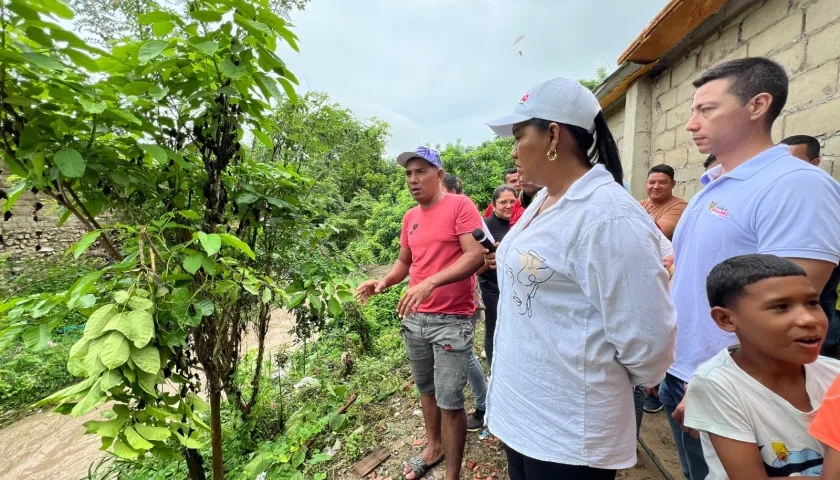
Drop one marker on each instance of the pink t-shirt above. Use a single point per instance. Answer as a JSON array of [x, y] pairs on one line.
[[432, 237]]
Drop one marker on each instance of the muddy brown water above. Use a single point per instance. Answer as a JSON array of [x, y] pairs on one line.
[[46, 446]]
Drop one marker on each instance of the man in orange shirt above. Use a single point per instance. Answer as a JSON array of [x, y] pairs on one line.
[[661, 203]]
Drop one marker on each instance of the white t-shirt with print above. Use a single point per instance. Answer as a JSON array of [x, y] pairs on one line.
[[725, 400]]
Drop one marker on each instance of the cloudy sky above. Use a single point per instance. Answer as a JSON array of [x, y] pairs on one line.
[[436, 70]]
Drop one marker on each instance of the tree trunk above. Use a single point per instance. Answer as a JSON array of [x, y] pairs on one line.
[[195, 464], [216, 429], [265, 316]]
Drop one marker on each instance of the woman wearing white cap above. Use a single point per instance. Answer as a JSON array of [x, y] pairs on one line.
[[584, 311]]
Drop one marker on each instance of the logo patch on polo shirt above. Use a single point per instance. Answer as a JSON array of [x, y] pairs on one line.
[[718, 210]]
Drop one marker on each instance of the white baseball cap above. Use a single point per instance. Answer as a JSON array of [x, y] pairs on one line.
[[557, 100]]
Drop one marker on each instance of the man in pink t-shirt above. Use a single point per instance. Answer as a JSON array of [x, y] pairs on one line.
[[439, 254]]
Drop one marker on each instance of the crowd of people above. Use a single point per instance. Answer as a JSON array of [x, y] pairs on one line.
[[720, 310]]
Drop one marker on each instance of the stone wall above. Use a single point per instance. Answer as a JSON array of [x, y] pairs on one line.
[[26, 238], [803, 36]]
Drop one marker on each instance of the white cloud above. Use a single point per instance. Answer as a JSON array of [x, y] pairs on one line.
[[436, 70]]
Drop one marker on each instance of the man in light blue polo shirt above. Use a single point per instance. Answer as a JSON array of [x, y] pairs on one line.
[[759, 199]]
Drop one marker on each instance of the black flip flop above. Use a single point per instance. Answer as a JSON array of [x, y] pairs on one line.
[[419, 467]]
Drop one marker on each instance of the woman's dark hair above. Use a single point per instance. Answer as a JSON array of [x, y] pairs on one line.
[[502, 189], [604, 151], [452, 183]]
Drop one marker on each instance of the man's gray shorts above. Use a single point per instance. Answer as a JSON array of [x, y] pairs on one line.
[[439, 350]]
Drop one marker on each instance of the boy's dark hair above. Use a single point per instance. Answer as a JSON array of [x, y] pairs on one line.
[[728, 280], [708, 161], [812, 145], [509, 171], [452, 183], [662, 168], [751, 76]]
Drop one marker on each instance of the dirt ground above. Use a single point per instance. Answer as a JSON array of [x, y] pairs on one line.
[[55, 447], [485, 459]]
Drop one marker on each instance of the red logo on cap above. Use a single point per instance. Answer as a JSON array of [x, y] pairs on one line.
[[525, 97]]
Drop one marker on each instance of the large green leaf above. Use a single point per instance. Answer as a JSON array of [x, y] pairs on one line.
[[154, 17], [124, 451], [140, 303], [296, 299], [93, 398], [206, 16], [208, 48], [289, 88], [235, 242], [269, 87], [70, 162], [157, 153], [231, 70], [211, 243], [71, 392], [97, 321], [82, 60], [92, 107], [9, 335], [36, 338], [147, 358], [43, 61], [264, 139], [151, 50], [334, 307], [147, 382], [107, 428], [110, 379], [120, 323], [192, 262], [161, 29], [57, 8], [154, 434], [136, 88], [86, 242], [115, 350], [76, 357], [142, 327], [135, 440]]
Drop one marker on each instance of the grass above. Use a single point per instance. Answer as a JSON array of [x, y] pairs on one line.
[[27, 376]]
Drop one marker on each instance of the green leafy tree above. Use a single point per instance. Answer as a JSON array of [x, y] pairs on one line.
[[601, 74], [150, 130], [481, 168]]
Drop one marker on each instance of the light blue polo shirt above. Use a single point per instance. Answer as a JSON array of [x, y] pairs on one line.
[[773, 203]]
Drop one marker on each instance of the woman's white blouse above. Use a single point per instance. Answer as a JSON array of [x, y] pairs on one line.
[[584, 315]]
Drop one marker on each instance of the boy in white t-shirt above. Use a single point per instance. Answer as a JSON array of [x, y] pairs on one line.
[[752, 402]]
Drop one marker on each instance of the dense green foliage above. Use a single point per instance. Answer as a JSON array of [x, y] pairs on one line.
[[285, 419], [209, 237]]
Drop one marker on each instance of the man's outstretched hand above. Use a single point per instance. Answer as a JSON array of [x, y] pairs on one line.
[[413, 298], [369, 289]]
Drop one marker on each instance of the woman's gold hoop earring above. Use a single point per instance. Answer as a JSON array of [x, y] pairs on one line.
[[552, 155]]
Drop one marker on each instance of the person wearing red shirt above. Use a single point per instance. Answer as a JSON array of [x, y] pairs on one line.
[[440, 256]]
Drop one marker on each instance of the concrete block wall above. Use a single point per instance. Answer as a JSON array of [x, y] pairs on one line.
[[22, 235], [803, 36]]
